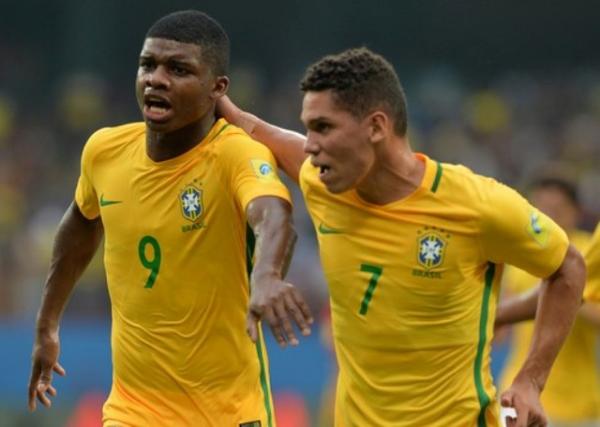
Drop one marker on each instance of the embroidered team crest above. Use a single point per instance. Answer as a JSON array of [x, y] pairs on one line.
[[191, 203], [263, 169], [432, 247]]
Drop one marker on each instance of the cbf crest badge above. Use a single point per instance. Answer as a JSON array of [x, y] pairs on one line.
[[190, 199], [432, 247], [432, 243]]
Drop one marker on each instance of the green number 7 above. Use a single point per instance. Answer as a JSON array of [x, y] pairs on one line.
[[376, 273], [151, 264]]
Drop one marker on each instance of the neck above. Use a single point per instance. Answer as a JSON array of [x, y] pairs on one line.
[[395, 174], [162, 146]]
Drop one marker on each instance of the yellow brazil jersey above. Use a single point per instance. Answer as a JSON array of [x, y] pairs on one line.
[[175, 260], [413, 287], [592, 262], [581, 385]]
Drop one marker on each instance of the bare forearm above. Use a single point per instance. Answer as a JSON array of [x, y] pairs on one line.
[[76, 241], [517, 308], [559, 301], [275, 239]]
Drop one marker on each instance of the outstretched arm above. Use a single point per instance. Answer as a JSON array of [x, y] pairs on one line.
[[271, 297], [287, 146], [76, 242], [559, 299]]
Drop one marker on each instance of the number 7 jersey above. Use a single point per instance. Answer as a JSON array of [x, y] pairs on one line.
[[413, 287], [175, 260]]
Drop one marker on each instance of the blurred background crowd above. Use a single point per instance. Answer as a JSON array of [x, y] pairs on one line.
[[510, 90]]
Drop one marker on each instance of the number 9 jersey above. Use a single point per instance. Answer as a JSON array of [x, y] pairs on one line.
[[175, 255]]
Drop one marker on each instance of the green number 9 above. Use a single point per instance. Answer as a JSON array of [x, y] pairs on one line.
[[151, 264]]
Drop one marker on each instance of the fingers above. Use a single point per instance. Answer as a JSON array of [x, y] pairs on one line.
[[41, 391], [522, 419], [40, 385], [506, 399], [33, 382], [281, 311], [275, 324], [277, 319], [301, 312], [252, 326], [52, 391], [254, 316], [59, 370]]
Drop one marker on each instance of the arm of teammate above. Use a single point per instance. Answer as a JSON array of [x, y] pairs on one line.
[[76, 242], [559, 299], [271, 297], [591, 313], [287, 146], [517, 308]]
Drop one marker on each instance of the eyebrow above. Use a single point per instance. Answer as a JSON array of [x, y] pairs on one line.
[[174, 59], [316, 120]]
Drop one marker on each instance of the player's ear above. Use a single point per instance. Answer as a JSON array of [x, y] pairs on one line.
[[378, 123], [220, 86]]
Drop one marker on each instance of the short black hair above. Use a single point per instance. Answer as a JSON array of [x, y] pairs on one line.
[[565, 186], [193, 26], [361, 82]]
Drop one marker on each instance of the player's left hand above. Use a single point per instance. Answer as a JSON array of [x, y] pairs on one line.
[[276, 301], [524, 397]]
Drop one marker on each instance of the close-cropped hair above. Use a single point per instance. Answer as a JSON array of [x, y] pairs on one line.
[[193, 26], [361, 82]]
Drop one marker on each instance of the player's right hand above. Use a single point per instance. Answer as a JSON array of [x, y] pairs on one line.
[[44, 361]]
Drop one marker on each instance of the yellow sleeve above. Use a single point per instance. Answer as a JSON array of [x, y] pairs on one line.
[[85, 194], [516, 233], [252, 169], [592, 262]]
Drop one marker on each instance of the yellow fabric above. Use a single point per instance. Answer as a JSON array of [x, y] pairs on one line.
[[592, 262], [570, 394], [417, 353], [181, 356]]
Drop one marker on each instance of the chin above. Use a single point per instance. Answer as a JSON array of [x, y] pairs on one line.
[[158, 126], [337, 188]]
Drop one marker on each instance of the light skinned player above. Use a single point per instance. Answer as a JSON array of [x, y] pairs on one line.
[[180, 199], [413, 251]]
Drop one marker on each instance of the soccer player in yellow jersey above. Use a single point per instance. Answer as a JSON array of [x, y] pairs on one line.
[[558, 199], [592, 261], [172, 198], [413, 251]]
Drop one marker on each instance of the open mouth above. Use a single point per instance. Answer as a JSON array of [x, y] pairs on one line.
[[324, 171], [156, 108]]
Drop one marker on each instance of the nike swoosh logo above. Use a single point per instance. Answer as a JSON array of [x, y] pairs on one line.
[[108, 202], [323, 229]]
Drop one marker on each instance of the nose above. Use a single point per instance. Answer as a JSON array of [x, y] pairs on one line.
[[157, 78], [311, 145]]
